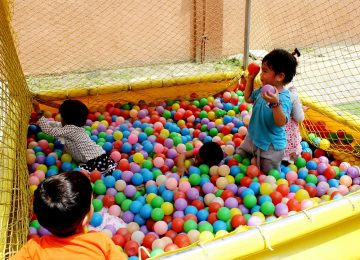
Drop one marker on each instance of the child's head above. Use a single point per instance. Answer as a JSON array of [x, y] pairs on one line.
[[278, 67], [210, 153], [62, 203], [74, 112]]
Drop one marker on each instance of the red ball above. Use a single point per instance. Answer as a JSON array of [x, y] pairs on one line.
[[232, 162], [108, 200], [95, 175], [238, 220], [227, 194], [170, 247], [311, 190], [182, 240], [246, 181], [319, 152], [171, 234], [118, 240], [148, 240], [198, 204], [178, 225], [190, 217], [150, 224], [294, 205], [307, 156], [283, 189], [131, 248], [226, 130], [124, 165], [252, 171], [276, 197], [314, 172], [214, 207], [143, 253], [167, 219], [243, 106], [212, 217], [179, 194], [253, 68], [329, 173], [122, 231]]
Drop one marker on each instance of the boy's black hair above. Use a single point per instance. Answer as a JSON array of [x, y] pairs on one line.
[[281, 61], [74, 112], [211, 153], [62, 201]]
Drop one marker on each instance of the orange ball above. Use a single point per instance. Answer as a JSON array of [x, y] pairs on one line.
[[182, 240]]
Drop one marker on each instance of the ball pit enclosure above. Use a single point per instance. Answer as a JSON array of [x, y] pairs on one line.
[[309, 209]]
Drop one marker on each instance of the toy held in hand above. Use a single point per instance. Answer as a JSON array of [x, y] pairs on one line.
[[268, 89], [253, 69]]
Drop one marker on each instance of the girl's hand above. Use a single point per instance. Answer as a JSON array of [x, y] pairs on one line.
[[36, 106], [271, 97]]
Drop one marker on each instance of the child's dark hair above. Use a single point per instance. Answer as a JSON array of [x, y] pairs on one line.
[[74, 112], [211, 153], [62, 201], [281, 61]]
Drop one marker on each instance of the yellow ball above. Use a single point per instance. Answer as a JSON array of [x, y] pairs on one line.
[[118, 135], [105, 123], [175, 106], [231, 113], [136, 107], [211, 115], [95, 125], [266, 188], [210, 99], [187, 163], [182, 179], [168, 208], [42, 167], [138, 158], [293, 167], [302, 194], [260, 215], [221, 233], [227, 138], [165, 132], [221, 183], [230, 179], [150, 197], [324, 144], [66, 157], [206, 236], [234, 212], [224, 170], [181, 123], [282, 181], [325, 197], [32, 189], [218, 122]]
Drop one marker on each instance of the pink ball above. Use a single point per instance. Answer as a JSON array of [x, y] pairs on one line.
[[132, 139], [268, 88], [171, 183], [158, 126], [306, 203], [158, 148], [181, 148], [40, 174], [254, 221], [184, 186], [114, 210], [243, 130], [158, 162], [291, 176], [160, 227], [34, 180], [116, 156], [120, 120]]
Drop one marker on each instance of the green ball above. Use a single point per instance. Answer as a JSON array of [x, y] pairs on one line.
[[35, 224], [300, 162], [137, 194], [157, 202], [275, 173], [311, 136], [237, 157], [125, 205], [157, 214], [189, 147], [223, 214], [247, 216], [194, 179], [147, 164], [206, 226], [337, 170], [243, 168], [203, 114], [213, 132], [311, 178], [267, 208], [119, 198], [156, 251], [166, 114], [177, 140], [238, 178], [148, 131], [102, 135], [236, 109], [229, 227], [49, 138], [196, 103], [249, 107], [101, 117], [99, 188], [204, 169], [249, 201], [203, 128], [219, 113], [246, 161], [39, 153], [190, 225], [219, 192], [169, 102], [156, 173], [203, 102], [239, 93], [97, 204]]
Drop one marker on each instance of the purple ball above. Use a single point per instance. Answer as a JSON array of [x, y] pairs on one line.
[[175, 176], [44, 232], [34, 166], [40, 159], [243, 209], [220, 127], [142, 113], [128, 217], [211, 125], [111, 228], [232, 187], [169, 143], [32, 231], [101, 128], [202, 135], [100, 197], [268, 88], [130, 190], [126, 176], [134, 167], [94, 132], [320, 190], [352, 172], [281, 209], [205, 121], [169, 163], [321, 167], [324, 159], [139, 148], [321, 178], [152, 138], [111, 191], [356, 181], [231, 203], [146, 155], [88, 122], [159, 109], [192, 194], [144, 229], [241, 190], [180, 204], [179, 214], [208, 187], [171, 153]]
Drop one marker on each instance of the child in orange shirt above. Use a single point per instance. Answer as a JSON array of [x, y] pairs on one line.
[[62, 204]]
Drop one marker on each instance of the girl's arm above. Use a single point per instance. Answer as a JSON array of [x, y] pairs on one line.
[[249, 88], [297, 111]]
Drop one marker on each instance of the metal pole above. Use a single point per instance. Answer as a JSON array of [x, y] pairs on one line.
[[247, 34]]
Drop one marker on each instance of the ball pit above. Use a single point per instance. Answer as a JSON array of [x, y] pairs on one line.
[[164, 212]]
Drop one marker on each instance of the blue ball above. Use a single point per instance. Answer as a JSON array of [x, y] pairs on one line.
[[161, 189], [133, 258], [167, 195], [141, 199], [254, 209], [202, 215], [126, 148], [117, 174], [264, 198], [185, 131], [219, 225], [146, 174], [255, 186], [109, 181], [51, 172], [304, 145], [50, 160], [94, 138], [234, 170], [333, 183], [152, 189], [302, 173], [66, 166], [140, 220], [311, 165], [142, 137], [145, 211], [137, 179], [96, 219], [107, 146], [135, 206], [191, 210], [204, 180], [294, 188], [109, 138], [194, 170], [246, 192], [37, 149], [207, 139]]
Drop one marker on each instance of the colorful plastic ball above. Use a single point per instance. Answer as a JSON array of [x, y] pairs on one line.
[[171, 183], [160, 227], [96, 219], [254, 221], [182, 240], [249, 201], [267, 208], [157, 214], [223, 214], [206, 236]]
